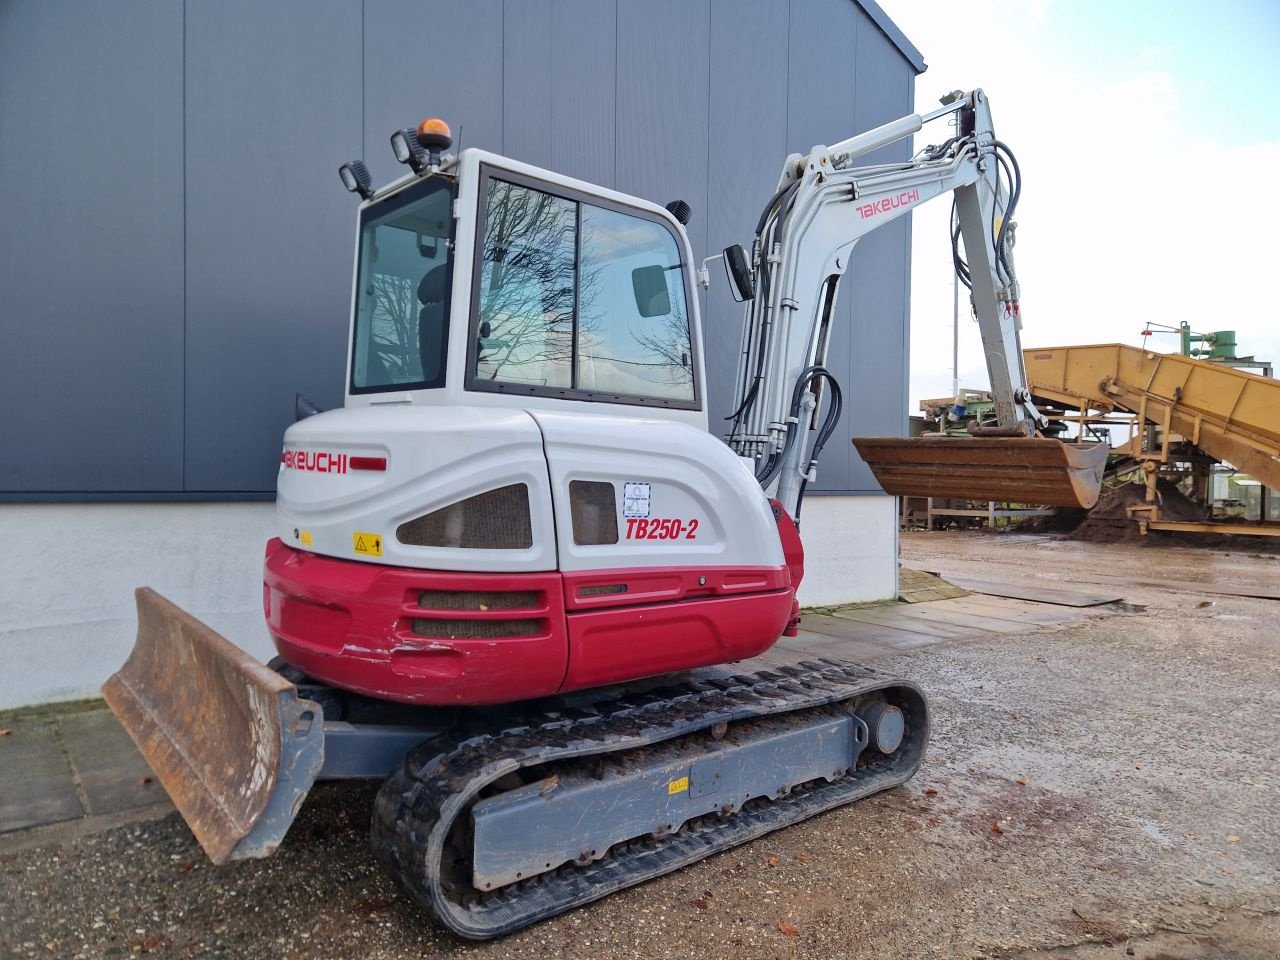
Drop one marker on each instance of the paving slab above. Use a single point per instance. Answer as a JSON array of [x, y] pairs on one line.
[[37, 785], [920, 586], [1038, 593], [881, 634], [899, 621], [862, 631], [1195, 586], [1020, 611], [112, 772], [811, 643], [945, 614]]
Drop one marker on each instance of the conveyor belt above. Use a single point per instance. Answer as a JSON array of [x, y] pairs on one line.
[[1229, 414]]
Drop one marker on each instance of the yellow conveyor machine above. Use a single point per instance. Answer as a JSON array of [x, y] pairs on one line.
[[1231, 415]]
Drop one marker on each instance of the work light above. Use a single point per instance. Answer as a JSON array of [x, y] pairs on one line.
[[355, 177], [404, 144]]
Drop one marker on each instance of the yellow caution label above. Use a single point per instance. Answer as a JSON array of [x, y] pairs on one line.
[[368, 544], [304, 537], [678, 786]]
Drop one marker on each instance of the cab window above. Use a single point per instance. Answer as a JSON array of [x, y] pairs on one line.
[[581, 300], [402, 290]]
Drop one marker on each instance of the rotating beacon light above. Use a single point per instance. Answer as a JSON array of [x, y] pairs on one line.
[[435, 137], [421, 148]]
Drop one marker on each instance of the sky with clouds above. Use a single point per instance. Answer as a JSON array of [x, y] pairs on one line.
[[1148, 134]]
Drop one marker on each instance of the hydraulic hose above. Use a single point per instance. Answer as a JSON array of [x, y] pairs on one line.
[[766, 227], [772, 467]]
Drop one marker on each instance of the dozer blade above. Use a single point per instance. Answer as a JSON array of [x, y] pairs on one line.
[[230, 740], [1029, 470]]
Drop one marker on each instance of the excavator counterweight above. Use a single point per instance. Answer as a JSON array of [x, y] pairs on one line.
[[1014, 469]]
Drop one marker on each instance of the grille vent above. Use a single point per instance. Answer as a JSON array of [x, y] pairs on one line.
[[595, 512], [477, 629], [477, 599], [493, 520]]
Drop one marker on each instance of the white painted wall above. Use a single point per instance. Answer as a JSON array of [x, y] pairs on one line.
[[68, 571], [850, 549]]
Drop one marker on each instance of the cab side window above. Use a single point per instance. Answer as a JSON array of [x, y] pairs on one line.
[[633, 322], [575, 298], [527, 287]]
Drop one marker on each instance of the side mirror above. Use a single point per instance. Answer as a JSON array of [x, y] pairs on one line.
[[303, 408], [739, 271], [650, 287]]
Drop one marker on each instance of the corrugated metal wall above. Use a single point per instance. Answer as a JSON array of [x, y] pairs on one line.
[[175, 245]]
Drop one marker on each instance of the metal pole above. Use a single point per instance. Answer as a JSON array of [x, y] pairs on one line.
[[955, 336]]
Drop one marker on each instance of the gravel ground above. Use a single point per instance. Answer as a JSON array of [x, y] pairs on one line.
[[1106, 786]]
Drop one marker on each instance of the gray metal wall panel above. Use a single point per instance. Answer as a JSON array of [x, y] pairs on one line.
[[559, 77], [584, 82], [91, 247], [530, 49], [268, 225], [698, 101], [662, 105], [748, 143], [821, 92], [877, 370], [431, 59]]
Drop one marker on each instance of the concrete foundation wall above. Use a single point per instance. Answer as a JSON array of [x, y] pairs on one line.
[[66, 598], [67, 578], [850, 549]]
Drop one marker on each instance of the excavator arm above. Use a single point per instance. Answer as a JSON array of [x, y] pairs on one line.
[[805, 237]]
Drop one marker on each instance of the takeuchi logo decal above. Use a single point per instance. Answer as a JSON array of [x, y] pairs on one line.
[[315, 461], [874, 209]]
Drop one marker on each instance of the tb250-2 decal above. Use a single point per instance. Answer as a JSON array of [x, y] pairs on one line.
[[640, 528]]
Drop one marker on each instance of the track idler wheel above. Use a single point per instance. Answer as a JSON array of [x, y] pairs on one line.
[[886, 726]]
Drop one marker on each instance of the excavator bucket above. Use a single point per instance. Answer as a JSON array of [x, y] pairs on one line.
[[1028, 470], [230, 740]]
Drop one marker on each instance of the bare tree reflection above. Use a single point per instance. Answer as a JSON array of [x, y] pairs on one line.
[[527, 284], [395, 326], [666, 341]]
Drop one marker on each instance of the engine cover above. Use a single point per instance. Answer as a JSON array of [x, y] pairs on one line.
[[470, 555], [602, 492]]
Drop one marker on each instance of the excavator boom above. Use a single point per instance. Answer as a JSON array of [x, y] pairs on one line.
[[824, 206]]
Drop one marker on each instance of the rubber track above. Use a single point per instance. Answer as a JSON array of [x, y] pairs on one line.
[[419, 803]]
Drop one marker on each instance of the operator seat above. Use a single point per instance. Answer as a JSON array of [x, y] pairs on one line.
[[431, 332]]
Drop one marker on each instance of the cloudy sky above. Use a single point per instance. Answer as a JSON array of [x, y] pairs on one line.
[[1149, 139]]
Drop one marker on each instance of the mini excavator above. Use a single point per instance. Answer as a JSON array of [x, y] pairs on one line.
[[510, 570]]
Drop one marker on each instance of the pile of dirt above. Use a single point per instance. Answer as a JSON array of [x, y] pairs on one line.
[[1109, 522], [1064, 520]]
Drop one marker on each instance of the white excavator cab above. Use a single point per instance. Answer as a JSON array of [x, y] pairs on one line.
[[494, 283]]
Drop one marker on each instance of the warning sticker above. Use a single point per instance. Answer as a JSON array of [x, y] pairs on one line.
[[677, 786], [635, 500], [368, 544]]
